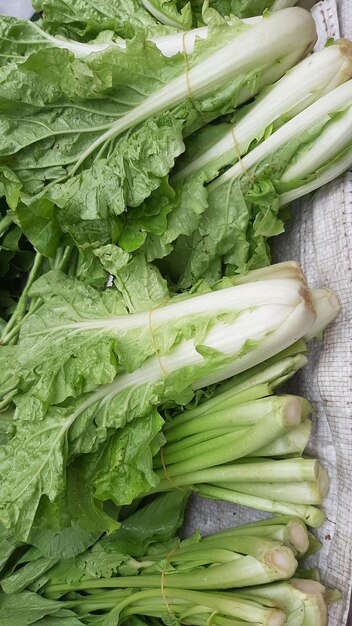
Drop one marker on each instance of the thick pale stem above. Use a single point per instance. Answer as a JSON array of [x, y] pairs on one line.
[[336, 100], [309, 514], [229, 62], [299, 88], [229, 415], [294, 442], [329, 173], [281, 471], [231, 446]]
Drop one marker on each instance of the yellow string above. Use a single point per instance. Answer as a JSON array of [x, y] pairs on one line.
[[188, 82], [162, 579], [238, 155], [155, 346], [211, 617], [167, 475]]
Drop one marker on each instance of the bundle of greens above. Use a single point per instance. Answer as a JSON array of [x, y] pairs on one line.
[[244, 202], [216, 147], [143, 569], [84, 138], [92, 374], [246, 453]]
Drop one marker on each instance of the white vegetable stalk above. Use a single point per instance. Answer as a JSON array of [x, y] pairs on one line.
[[300, 87], [335, 101], [239, 298], [273, 327], [290, 33], [285, 269], [169, 45], [329, 173], [335, 138], [285, 331]]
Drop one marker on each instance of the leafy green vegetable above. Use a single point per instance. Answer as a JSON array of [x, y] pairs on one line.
[[218, 146], [25, 608], [90, 136], [108, 583], [292, 161], [67, 409]]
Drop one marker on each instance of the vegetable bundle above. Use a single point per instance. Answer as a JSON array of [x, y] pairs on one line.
[[91, 375], [143, 569], [82, 139]]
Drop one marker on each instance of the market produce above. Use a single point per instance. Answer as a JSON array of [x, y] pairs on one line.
[[143, 568], [75, 152], [216, 147], [306, 152], [87, 367], [148, 150]]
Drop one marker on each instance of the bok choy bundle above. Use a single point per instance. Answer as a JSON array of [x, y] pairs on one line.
[[244, 202], [216, 147], [143, 568], [91, 373], [82, 139]]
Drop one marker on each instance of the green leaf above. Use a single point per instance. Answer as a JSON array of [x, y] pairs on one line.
[[241, 8], [84, 19], [24, 576], [21, 609], [158, 521], [75, 520], [38, 221], [183, 213], [112, 258], [141, 285], [8, 544], [125, 469], [167, 12]]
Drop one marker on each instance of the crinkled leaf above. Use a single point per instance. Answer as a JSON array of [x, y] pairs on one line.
[[60, 144], [168, 12], [38, 220], [125, 469], [183, 213], [141, 285], [112, 258], [85, 19], [75, 520]]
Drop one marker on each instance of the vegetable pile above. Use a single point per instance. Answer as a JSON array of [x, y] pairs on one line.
[[148, 150]]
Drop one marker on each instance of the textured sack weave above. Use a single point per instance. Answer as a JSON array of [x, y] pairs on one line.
[[319, 235]]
